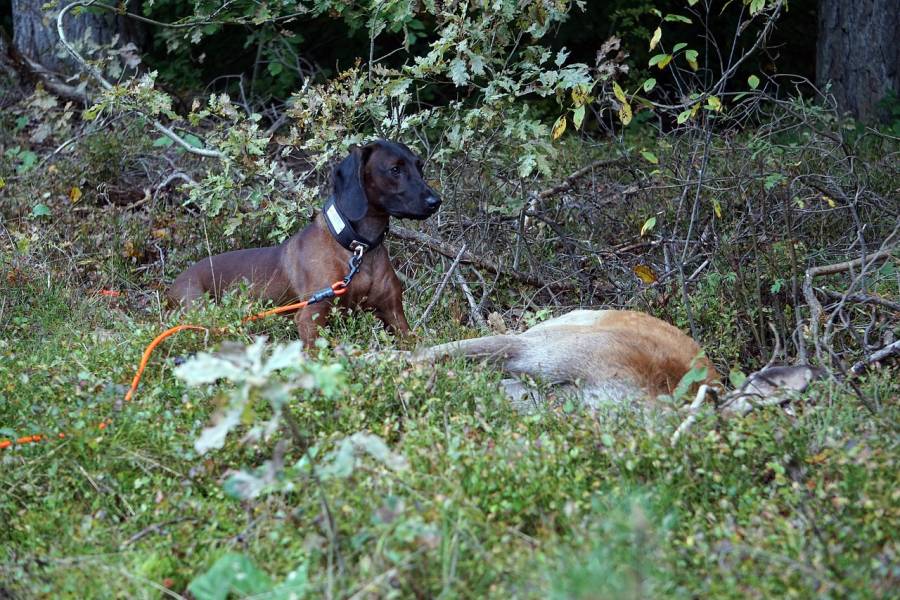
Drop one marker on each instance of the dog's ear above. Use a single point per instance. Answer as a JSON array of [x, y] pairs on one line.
[[349, 193]]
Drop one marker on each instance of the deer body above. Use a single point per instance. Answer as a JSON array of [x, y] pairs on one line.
[[607, 356]]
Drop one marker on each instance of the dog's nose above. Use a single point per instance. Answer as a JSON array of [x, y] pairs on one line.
[[433, 201]]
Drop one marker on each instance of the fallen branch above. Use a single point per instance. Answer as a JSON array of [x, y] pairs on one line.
[[880, 355], [569, 181], [815, 307], [842, 267], [860, 299], [451, 251], [51, 81]]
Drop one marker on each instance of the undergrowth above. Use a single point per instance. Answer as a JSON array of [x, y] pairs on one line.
[[492, 504]]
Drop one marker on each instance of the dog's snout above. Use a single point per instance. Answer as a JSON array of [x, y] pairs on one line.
[[433, 201]]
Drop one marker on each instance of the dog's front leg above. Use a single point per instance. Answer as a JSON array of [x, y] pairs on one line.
[[390, 312], [308, 320]]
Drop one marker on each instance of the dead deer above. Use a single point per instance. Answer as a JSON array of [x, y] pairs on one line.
[[604, 356]]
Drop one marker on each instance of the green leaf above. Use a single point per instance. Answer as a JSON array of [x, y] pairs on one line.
[[650, 158], [193, 140], [275, 68], [232, 573], [678, 46], [691, 57], [695, 375], [677, 18], [162, 142], [28, 159], [578, 117], [648, 225], [753, 82], [458, 72], [40, 210], [736, 377], [772, 180], [654, 60], [683, 116], [649, 84]]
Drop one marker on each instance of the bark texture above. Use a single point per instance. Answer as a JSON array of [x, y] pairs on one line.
[[34, 31], [858, 52]]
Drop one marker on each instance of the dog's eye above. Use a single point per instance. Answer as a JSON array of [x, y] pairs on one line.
[[395, 170]]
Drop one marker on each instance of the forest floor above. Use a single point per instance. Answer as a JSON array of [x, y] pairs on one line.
[[559, 503]]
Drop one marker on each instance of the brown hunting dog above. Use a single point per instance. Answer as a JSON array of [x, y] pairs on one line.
[[603, 356], [375, 182]]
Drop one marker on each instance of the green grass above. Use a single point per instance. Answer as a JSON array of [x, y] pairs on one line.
[[494, 504], [556, 504]]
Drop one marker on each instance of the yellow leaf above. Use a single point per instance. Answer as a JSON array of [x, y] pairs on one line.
[[625, 113], [718, 208], [2, 183], [645, 274], [74, 194], [580, 95], [693, 64], [694, 109], [714, 103], [827, 199], [559, 127], [819, 458], [648, 225], [657, 35], [664, 61], [619, 93]]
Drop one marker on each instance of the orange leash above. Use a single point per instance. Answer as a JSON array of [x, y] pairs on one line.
[[337, 289], [146, 356]]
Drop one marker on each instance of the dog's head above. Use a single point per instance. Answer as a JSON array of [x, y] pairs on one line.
[[385, 176]]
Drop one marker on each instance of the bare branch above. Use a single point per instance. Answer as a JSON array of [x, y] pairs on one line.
[[96, 74], [450, 251], [440, 289]]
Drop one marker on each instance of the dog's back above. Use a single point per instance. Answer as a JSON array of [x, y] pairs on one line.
[[610, 355]]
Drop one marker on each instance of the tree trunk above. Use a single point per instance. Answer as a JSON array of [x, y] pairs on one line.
[[34, 31], [858, 52]]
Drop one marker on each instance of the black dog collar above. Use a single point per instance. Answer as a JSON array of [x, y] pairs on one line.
[[342, 229]]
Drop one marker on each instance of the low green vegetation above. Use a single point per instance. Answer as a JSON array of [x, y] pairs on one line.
[[669, 168], [488, 502]]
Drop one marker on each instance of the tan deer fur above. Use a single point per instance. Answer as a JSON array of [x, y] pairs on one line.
[[604, 355]]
